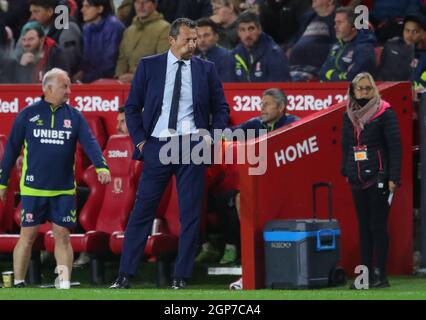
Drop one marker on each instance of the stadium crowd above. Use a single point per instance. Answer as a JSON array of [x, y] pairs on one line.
[[249, 41]]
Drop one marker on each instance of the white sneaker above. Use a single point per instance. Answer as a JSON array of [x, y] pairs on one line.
[[237, 285], [63, 285]]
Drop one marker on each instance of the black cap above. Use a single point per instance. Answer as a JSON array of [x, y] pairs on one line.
[[416, 17]]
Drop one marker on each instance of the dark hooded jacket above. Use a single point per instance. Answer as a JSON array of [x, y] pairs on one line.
[[347, 59], [265, 62]]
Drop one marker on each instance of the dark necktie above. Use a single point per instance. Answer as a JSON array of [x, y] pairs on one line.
[[176, 95]]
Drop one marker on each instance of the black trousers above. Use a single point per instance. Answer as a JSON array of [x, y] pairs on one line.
[[372, 210], [230, 222]]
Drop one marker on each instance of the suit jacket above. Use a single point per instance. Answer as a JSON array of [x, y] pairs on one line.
[[143, 106]]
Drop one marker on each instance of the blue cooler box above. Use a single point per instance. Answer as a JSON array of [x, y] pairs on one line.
[[301, 253]]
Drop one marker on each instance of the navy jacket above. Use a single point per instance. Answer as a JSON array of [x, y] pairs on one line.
[[419, 73], [257, 124], [265, 62], [222, 59], [49, 139], [143, 106], [100, 51], [397, 62], [346, 60]]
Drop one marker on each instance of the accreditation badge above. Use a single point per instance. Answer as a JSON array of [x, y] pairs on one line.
[[360, 153]]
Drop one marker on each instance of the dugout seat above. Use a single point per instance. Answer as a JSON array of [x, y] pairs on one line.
[[221, 178], [8, 242], [99, 131], [7, 208]]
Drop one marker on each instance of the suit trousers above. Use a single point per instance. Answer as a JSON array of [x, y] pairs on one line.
[[154, 179]]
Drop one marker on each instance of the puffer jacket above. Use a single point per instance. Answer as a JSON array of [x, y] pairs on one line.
[[141, 39], [381, 136]]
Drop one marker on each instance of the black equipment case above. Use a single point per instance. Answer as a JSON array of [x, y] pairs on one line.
[[302, 253]]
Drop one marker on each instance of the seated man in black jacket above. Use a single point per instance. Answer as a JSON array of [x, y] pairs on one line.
[[400, 56]]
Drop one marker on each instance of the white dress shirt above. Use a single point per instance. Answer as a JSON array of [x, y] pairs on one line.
[[185, 121]]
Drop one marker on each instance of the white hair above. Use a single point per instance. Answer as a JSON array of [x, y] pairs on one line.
[[50, 76]]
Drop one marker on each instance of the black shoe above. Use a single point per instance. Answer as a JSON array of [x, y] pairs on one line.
[[178, 284], [122, 282], [381, 283], [380, 279], [20, 285]]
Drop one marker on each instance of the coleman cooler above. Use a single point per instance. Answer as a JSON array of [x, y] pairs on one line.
[[302, 253]]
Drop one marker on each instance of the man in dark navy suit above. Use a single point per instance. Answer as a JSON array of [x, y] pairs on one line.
[[174, 96]]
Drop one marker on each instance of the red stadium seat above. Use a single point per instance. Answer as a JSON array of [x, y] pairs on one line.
[[7, 208], [8, 242], [98, 129]]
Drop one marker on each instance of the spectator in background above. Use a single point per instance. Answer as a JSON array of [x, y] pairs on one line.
[[36, 54], [280, 18], [102, 35], [148, 35], [68, 39], [225, 14], [6, 42], [400, 56], [257, 58], [316, 34], [171, 10], [387, 17], [208, 49], [192, 9], [121, 122], [16, 15], [419, 62], [353, 53], [126, 12]]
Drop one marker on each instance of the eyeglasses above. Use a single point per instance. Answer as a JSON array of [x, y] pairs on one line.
[[366, 89]]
